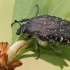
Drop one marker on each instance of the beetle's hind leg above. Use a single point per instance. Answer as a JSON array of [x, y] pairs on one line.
[[53, 47], [20, 21]]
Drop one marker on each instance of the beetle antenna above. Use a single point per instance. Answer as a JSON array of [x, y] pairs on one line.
[[15, 21], [23, 20], [37, 9]]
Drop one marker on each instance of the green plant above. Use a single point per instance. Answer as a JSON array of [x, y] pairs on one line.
[[27, 9]]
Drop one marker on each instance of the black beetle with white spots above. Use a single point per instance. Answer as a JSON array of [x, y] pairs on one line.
[[45, 28]]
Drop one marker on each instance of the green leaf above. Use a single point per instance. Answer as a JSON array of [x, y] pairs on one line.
[[26, 9], [49, 58]]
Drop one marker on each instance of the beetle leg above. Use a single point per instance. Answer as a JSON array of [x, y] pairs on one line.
[[53, 47], [24, 20], [15, 21], [38, 50], [37, 9], [28, 37], [20, 21]]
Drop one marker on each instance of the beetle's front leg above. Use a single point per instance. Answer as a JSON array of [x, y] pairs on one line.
[[37, 45], [38, 50], [28, 37]]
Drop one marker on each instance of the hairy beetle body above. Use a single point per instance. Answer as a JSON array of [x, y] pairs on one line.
[[47, 29]]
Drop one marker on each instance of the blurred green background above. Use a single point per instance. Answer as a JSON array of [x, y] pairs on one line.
[[6, 14]]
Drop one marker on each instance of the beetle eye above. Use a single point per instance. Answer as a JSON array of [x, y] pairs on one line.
[[18, 32]]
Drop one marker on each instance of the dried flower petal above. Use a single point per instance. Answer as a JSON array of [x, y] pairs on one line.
[[1, 43], [2, 68], [8, 54], [16, 64], [9, 67], [4, 47], [3, 59]]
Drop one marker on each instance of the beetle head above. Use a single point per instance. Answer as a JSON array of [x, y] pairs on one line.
[[21, 30]]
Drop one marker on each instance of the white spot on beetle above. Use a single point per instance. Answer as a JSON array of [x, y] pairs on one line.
[[55, 30], [56, 19], [50, 36], [61, 23], [55, 34], [61, 29], [65, 35], [47, 30], [49, 23], [55, 38], [61, 39], [68, 41], [47, 37]]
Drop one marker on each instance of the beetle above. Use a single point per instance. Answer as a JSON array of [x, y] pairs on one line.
[[46, 28]]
